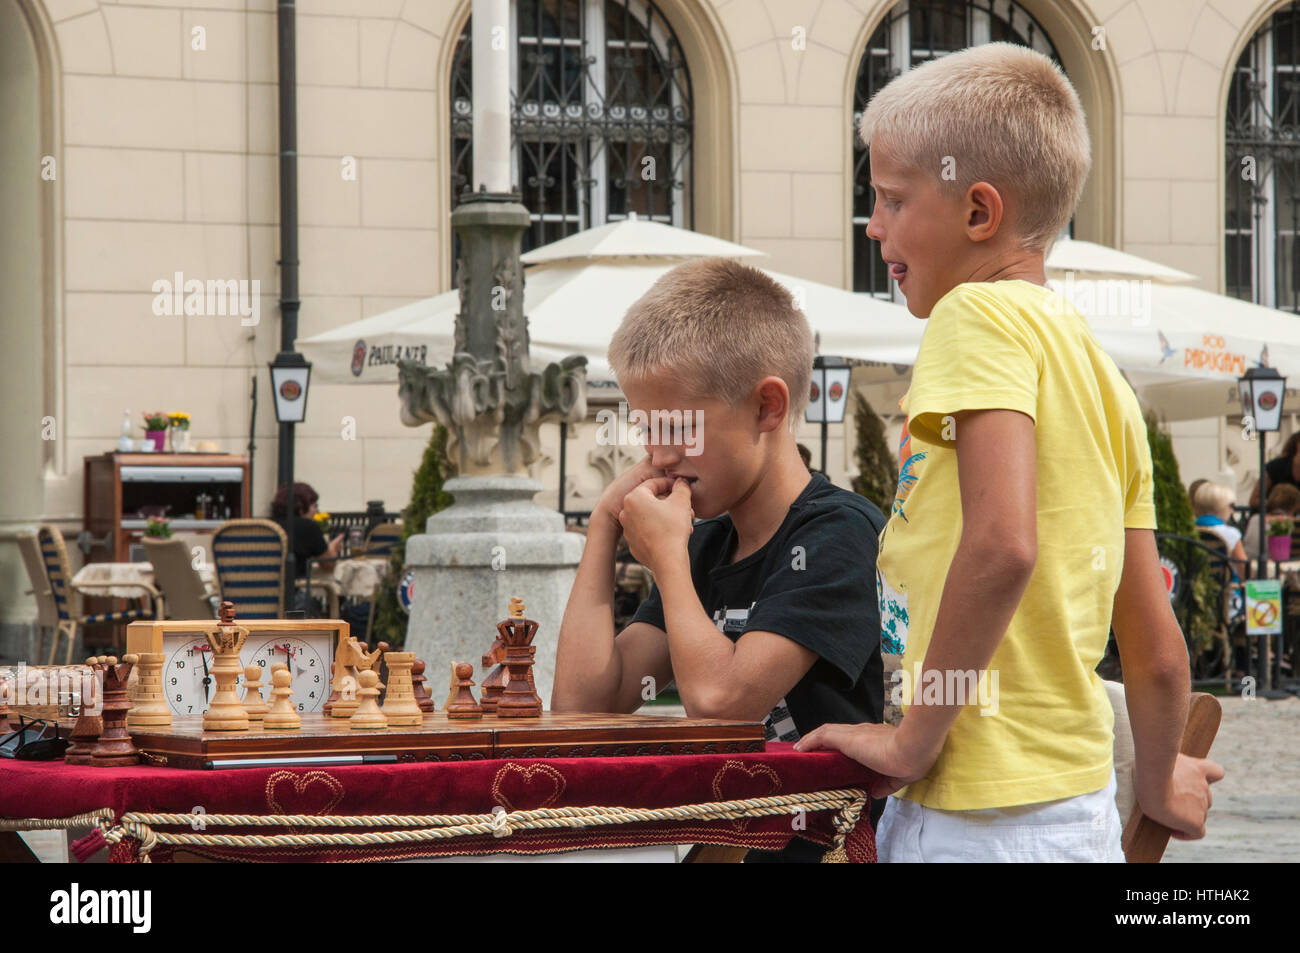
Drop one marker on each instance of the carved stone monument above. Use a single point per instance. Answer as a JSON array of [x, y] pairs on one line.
[[494, 541]]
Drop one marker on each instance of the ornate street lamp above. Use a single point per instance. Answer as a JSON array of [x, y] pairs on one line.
[[1262, 391], [290, 374], [828, 395]]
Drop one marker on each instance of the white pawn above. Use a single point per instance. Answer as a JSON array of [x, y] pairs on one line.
[[282, 714]]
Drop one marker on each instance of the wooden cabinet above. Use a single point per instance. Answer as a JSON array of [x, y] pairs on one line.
[[121, 489]]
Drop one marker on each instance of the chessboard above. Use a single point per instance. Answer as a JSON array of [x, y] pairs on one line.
[[326, 740]]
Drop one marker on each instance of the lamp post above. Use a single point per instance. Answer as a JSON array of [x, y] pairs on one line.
[[290, 374], [828, 394], [1262, 391]]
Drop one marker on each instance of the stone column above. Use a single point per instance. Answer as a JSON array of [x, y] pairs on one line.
[[494, 543]]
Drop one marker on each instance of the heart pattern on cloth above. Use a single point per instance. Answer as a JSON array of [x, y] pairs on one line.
[[738, 781], [522, 787], [315, 792]]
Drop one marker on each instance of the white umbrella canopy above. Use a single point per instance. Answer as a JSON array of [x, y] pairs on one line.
[[558, 300], [367, 351], [1183, 348], [575, 306], [1091, 260], [635, 237]]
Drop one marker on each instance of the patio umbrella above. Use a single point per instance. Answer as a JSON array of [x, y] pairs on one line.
[[1183, 348], [1091, 260], [576, 294]]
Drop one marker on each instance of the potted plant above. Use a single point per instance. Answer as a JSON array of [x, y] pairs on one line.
[[155, 429], [1279, 540], [179, 431], [157, 527]]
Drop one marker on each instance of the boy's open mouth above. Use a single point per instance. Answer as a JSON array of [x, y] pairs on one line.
[[689, 479], [897, 270]]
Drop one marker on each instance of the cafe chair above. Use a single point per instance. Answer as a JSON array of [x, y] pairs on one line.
[[382, 538], [54, 556], [248, 557], [47, 616], [184, 596]]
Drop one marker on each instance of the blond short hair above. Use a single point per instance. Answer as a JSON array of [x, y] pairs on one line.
[[996, 113], [1212, 499], [720, 327]]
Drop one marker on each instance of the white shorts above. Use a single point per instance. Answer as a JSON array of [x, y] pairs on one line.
[[1082, 829]]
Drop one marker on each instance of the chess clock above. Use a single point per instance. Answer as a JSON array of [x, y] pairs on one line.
[[307, 646]]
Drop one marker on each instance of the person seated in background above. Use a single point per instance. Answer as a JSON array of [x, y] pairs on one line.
[[1212, 506], [1192, 488], [1282, 503], [1284, 468], [308, 537]]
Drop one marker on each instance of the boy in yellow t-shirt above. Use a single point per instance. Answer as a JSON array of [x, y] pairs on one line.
[[1022, 525]]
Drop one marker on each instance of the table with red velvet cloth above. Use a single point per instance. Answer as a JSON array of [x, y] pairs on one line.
[[53, 791]]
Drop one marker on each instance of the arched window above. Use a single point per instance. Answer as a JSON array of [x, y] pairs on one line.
[[915, 31], [601, 116], [1262, 193]]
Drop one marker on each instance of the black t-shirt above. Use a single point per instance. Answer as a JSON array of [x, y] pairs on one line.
[[813, 582], [1279, 471], [308, 542]]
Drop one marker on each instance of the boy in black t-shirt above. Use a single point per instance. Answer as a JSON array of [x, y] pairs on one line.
[[766, 609]]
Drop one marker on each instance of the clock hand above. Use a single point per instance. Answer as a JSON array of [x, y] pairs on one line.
[[207, 680]]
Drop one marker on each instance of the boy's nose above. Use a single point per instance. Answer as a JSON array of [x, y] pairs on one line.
[[665, 457], [878, 233]]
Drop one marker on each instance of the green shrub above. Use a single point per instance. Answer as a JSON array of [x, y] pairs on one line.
[[427, 498], [877, 476], [1174, 515]]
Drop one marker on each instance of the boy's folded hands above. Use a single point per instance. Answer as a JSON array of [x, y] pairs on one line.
[[605, 515], [657, 520]]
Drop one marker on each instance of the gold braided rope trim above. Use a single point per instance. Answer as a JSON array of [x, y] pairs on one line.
[[89, 819], [139, 825]]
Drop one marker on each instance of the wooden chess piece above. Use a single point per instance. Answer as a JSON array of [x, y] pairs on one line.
[[494, 685], [150, 708], [114, 748], [463, 705], [352, 658], [254, 703], [420, 689], [281, 714], [368, 714], [400, 707], [519, 699], [225, 710], [88, 726]]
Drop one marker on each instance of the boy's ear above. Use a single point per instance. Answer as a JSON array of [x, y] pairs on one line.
[[984, 210], [773, 403]]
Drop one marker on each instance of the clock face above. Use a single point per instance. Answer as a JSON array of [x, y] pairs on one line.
[[188, 684], [311, 674], [187, 680]]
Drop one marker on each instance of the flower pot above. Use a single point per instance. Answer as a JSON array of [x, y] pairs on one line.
[[180, 437], [1279, 548], [158, 438]]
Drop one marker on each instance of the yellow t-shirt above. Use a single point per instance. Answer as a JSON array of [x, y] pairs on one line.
[[1047, 731]]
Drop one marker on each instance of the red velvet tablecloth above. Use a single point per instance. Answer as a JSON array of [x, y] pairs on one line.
[[52, 790]]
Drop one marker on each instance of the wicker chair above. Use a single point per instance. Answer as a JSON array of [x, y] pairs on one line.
[[47, 616], [54, 554], [382, 538], [248, 556], [183, 594]]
